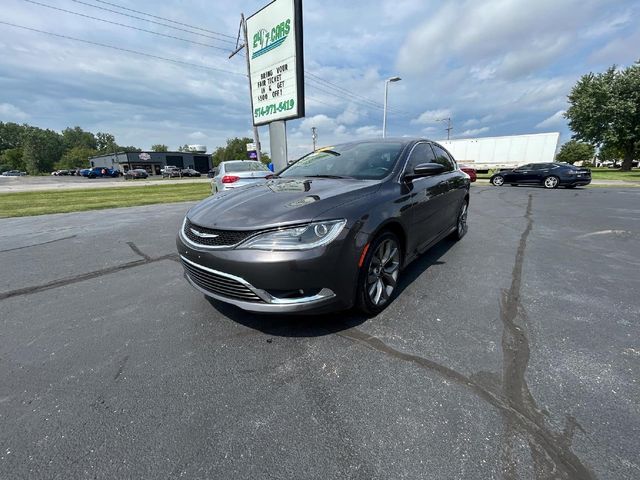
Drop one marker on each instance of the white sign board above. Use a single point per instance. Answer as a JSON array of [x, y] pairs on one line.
[[275, 62], [251, 147]]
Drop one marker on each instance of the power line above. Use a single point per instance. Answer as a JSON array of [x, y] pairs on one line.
[[113, 47], [344, 90], [156, 23], [165, 19], [125, 26], [362, 100], [320, 87]]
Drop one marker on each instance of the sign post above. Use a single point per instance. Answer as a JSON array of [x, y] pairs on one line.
[[276, 70]]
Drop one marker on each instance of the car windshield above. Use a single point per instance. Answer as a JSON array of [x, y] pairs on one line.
[[362, 161], [234, 167]]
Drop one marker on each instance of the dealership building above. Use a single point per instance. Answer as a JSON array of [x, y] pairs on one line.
[[152, 162]]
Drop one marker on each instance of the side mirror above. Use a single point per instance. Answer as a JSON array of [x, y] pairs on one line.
[[425, 170]]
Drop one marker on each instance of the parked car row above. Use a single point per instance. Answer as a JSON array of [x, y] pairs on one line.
[[13, 173], [172, 171]]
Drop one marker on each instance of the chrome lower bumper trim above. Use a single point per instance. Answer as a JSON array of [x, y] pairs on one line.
[[271, 303]]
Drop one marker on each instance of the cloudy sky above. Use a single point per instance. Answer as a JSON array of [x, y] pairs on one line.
[[496, 67]]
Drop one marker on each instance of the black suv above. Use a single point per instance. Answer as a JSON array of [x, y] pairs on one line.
[[550, 175]]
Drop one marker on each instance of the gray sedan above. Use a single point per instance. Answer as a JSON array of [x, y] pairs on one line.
[[238, 173]]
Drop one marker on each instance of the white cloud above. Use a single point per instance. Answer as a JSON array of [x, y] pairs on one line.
[[197, 135], [473, 132], [554, 121], [369, 131], [9, 112], [432, 116]]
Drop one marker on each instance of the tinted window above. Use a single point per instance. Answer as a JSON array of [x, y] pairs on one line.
[[363, 161], [234, 167], [541, 166], [442, 157], [524, 167], [421, 153]]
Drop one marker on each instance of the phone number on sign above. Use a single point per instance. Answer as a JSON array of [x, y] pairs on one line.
[[273, 108]]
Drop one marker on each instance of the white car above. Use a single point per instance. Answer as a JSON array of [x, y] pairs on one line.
[[238, 173]]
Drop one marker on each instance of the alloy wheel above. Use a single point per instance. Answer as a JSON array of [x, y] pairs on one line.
[[383, 272], [551, 182], [498, 180], [462, 220]]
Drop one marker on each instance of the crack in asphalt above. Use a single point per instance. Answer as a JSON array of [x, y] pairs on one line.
[[550, 450], [90, 275], [38, 244], [137, 251]]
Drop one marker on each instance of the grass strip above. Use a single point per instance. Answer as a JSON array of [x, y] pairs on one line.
[[20, 204]]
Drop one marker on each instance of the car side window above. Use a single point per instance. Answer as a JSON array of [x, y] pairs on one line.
[[421, 153], [442, 157]]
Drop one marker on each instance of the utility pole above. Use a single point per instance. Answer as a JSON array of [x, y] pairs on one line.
[[314, 137], [243, 27], [449, 127]]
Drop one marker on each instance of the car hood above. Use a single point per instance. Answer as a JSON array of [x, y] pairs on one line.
[[278, 202]]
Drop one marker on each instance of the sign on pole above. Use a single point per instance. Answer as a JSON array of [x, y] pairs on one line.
[[276, 62]]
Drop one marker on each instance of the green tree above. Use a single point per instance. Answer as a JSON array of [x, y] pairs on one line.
[[76, 137], [11, 135], [76, 157], [12, 158], [41, 149], [605, 109], [236, 149], [184, 148], [158, 147], [106, 143], [575, 151], [128, 148]]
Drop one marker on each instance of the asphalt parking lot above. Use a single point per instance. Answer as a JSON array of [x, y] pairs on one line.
[[512, 354]]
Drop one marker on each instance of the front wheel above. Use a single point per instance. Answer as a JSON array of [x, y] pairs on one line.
[[551, 182], [498, 180], [379, 274]]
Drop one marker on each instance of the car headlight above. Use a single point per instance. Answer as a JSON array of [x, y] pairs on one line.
[[303, 237]]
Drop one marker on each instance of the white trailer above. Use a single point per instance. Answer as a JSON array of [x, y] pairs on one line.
[[504, 152]]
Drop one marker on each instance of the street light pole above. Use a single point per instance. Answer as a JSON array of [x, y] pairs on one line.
[[314, 137], [386, 94]]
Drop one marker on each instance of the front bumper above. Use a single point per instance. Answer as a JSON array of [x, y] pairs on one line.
[[318, 280]]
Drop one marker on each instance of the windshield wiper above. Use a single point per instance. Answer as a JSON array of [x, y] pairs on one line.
[[326, 176]]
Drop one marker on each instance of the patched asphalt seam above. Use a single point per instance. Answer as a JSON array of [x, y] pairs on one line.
[[38, 244], [87, 276], [551, 451]]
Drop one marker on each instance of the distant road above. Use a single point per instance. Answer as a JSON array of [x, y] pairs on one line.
[[35, 183]]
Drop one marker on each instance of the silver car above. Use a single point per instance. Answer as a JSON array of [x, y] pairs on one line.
[[238, 173]]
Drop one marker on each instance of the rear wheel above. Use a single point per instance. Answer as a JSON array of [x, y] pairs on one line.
[[498, 180], [461, 225], [551, 182], [379, 274]]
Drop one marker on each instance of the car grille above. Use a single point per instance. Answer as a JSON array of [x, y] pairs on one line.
[[219, 284], [223, 238]]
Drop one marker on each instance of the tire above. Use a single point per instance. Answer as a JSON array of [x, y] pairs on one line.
[[551, 182], [378, 278], [497, 180], [461, 222]]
